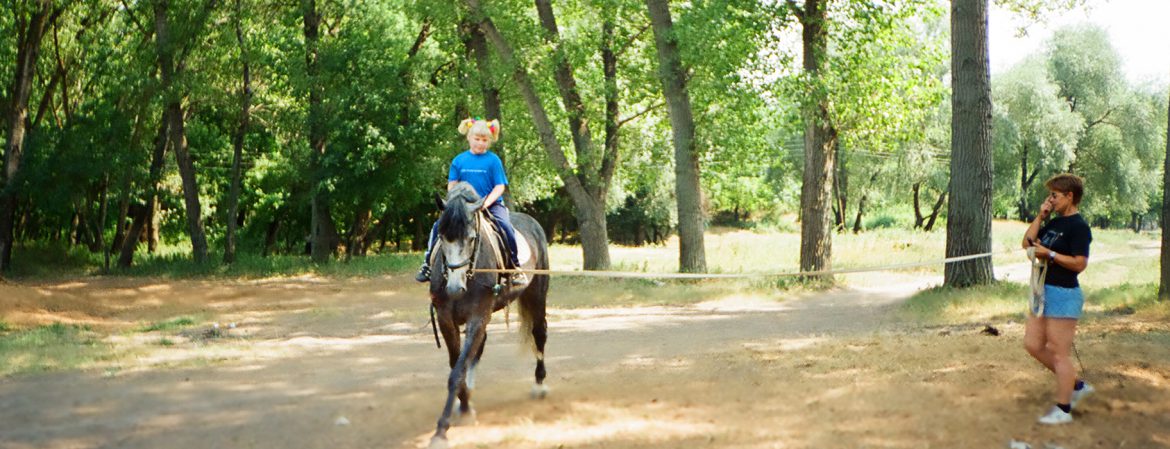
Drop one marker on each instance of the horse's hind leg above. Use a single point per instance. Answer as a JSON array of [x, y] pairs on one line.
[[534, 306]]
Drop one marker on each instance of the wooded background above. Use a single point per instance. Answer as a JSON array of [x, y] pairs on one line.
[[324, 127]]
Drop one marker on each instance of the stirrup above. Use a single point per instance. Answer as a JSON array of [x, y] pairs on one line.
[[518, 279]]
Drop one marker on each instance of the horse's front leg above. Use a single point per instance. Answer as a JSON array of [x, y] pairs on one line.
[[466, 416], [456, 381]]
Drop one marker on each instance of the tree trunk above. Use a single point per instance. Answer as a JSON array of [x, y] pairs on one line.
[[28, 48], [476, 44], [934, 211], [153, 222], [840, 190], [1164, 279], [589, 211], [357, 234], [323, 235], [820, 142], [918, 218], [120, 227], [99, 228], [271, 233], [142, 212], [969, 214], [177, 130], [688, 193], [229, 241]]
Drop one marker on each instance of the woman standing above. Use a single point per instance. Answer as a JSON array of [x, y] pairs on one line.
[[1063, 242]]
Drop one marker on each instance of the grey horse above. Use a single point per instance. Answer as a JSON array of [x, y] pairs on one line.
[[462, 296]]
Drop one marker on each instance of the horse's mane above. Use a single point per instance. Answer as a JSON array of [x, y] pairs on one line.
[[454, 220]]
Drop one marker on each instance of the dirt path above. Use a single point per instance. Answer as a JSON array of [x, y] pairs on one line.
[[319, 363]]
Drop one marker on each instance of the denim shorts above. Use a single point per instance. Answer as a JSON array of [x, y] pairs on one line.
[[1062, 302]]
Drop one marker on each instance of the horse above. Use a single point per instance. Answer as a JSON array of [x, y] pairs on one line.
[[461, 296]]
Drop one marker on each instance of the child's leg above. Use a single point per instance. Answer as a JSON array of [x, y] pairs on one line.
[[500, 214], [431, 243]]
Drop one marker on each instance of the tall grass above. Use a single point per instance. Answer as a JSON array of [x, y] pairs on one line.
[[52, 347]]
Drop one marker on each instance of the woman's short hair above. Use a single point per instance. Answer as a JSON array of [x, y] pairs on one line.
[[1067, 183], [480, 127]]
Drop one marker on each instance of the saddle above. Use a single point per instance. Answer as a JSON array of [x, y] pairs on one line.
[[500, 243], [498, 239]]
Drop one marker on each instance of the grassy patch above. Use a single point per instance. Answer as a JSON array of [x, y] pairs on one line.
[[4, 327], [946, 305], [52, 347], [172, 324], [45, 260]]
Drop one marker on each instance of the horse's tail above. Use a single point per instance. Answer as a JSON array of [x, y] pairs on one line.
[[533, 299], [527, 321]]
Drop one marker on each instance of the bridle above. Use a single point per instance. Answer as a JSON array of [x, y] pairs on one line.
[[470, 261]]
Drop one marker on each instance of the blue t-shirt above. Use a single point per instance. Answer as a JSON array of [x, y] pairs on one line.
[[483, 171]]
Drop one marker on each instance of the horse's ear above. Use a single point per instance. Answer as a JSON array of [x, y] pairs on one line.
[[477, 205], [439, 202]]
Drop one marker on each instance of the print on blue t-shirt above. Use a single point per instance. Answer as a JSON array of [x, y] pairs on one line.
[[483, 171]]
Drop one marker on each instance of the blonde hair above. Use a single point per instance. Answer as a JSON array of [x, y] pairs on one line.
[[477, 127]]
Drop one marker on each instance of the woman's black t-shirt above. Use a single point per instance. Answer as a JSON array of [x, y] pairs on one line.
[[1068, 236]]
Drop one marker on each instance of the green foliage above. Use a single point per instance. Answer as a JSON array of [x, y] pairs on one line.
[[390, 121], [1034, 132]]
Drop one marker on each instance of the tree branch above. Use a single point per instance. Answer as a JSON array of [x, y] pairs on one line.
[[629, 42], [642, 112]]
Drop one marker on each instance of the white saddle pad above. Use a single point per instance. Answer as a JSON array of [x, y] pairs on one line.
[[523, 251]]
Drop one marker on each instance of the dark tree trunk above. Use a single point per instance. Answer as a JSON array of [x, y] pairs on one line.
[[820, 143], [99, 226], [357, 234], [840, 190], [323, 235], [1025, 209], [586, 188], [229, 240], [28, 41], [861, 202], [169, 71], [476, 45], [142, 213], [153, 220], [934, 212], [1164, 279], [688, 193], [271, 233], [120, 226], [969, 214], [918, 218]]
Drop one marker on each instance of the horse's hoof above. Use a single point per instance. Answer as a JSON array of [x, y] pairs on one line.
[[539, 391], [464, 419], [438, 443]]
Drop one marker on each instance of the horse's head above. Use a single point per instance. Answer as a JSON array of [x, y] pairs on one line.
[[459, 236]]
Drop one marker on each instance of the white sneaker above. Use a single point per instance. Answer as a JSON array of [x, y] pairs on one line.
[[1080, 395], [1056, 416]]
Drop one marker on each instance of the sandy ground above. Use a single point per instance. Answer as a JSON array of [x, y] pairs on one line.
[[323, 363]]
